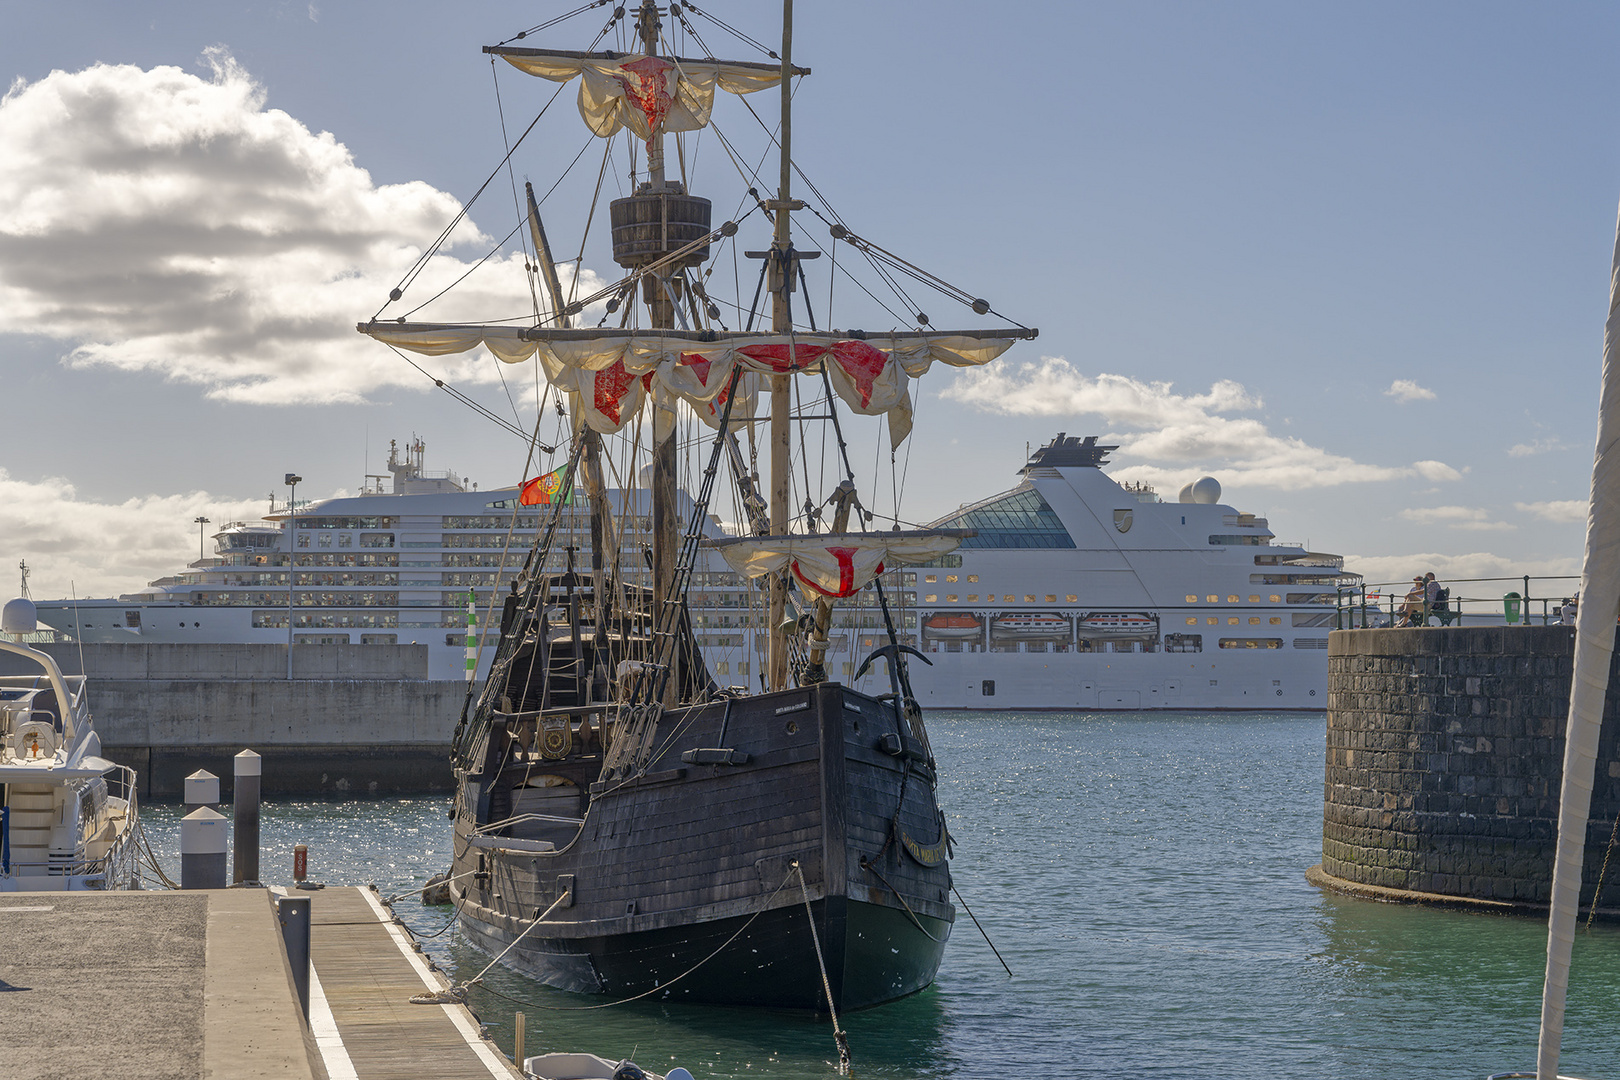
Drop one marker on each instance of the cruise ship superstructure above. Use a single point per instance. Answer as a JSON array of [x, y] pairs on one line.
[[1075, 592]]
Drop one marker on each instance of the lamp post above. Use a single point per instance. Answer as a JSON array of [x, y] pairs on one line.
[[292, 481], [200, 522]]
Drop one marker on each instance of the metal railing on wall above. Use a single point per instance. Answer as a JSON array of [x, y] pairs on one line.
[[1528, 600]]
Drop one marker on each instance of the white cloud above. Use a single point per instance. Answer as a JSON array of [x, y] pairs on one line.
[[1560, 577], [1468, 518], [157, 221], [1405, 391], [1189, 430], [1537, 446], [1563, 511], [103, 549]]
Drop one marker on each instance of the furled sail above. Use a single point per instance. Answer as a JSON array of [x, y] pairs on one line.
[[642, 94], [610, 371], [834, 564]]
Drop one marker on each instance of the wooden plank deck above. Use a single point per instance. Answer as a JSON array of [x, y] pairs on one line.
[[365, 972]]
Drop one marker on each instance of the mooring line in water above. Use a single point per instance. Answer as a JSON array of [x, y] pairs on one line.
[[982, 934], [458, 993], [826, 985]]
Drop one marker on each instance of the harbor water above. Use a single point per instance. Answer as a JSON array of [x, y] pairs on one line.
[[1142, 875]]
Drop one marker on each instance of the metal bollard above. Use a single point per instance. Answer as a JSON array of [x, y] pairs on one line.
[[293, 913], [202, 789], [246, 835], [202, 849]]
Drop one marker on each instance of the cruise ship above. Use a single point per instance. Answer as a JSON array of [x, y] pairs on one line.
[[1074, 591]]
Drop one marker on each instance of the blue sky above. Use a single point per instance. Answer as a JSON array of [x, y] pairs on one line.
[[1352, 261]]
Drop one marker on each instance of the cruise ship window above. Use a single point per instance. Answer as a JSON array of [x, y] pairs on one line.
[[1008, 599], [1275, 599], [1214, 599], [931, 578], [972, 597], [1254, 620], [1051, 598], [972, 578], [303, 539], [346, 540], [1192, 620], [326, 539], [1233, 621], [950, 577], [931, 598], [1073, 598], [1275, 621], [1254, 599], [1231, 599], [1029, 598], [1212, 620], [1192, 599], [950, 598]]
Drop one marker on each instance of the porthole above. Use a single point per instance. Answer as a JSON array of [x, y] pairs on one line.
[[793, 725]]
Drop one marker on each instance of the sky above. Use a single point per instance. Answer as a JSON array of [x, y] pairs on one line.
[[1349, 260]]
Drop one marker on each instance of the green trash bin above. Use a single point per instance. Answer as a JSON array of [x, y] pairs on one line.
[[1510, 607]]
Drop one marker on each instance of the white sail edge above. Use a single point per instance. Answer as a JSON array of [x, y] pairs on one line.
[[835, 565], [1594, 653]]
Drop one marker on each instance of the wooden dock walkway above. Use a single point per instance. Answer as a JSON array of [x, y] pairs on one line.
[[150, 985], [365, 972]]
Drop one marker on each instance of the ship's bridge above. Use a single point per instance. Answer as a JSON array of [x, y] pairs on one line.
[[1019, 518]]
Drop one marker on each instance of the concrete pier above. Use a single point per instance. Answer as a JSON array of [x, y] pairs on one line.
[[1445, 753], [197, 984], [354, 719]]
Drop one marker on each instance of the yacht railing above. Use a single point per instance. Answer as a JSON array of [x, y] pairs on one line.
[[1528, 600]]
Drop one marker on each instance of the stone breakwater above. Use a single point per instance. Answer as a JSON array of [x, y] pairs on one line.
[[1445, 751]]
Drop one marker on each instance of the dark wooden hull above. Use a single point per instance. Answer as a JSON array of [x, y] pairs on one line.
[[666, 870]]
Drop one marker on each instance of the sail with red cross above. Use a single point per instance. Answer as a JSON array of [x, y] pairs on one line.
[[609, 371], [643, 94], [835, 565]]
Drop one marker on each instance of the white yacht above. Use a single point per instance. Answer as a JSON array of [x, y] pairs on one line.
[[1075, 593], [68, 819]]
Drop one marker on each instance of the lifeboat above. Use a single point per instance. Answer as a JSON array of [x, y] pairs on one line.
[[1114, 624], [1021, 625], [952, 626]]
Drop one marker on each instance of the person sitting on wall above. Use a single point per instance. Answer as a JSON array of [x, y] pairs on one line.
[[1412, 608], [1437, 598]]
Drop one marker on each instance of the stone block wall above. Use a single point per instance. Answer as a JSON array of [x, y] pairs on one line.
[[1445, 751]]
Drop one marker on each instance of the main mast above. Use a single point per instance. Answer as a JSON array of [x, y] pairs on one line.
[[781, 281]]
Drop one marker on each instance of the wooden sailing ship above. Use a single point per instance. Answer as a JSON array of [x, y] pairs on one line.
[[624, 825]]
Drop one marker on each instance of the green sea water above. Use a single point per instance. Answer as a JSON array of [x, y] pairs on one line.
[[1142, 875]]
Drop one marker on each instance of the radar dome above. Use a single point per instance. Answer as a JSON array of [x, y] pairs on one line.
[[1186, 493], [19, 617], [1206, 490]]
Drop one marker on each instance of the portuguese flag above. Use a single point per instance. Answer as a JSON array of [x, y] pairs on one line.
[[545, 490]]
